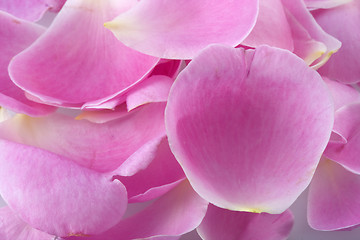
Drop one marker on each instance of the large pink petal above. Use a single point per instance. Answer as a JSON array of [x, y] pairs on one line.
[[271, 30], [334, 197], [161, 175], [344, 65], [179, 29], [31, 10], [179, 211], [249, 128], [77, 60], [57, 196], [102, 147], [300, 15], [347, 126], [15, 36], [231, 225], [14, 228]]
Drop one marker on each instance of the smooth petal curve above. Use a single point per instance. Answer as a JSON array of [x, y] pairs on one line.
[[230, 121], [334, 198], [14, 228], [231, 225], [316, 4], [57, 196], [179, 29], [77, 60], [102, 147], [15, 36]]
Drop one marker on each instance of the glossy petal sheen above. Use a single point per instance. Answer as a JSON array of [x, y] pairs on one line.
[[230, 225], [102, 147], [334, 197], [57, 196], [240, 125], [344, 65], [77, 60], [14, 228], [179, 29], [179, 211], [15, 36]]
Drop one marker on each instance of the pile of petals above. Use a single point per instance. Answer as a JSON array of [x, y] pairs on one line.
[[148, 119]]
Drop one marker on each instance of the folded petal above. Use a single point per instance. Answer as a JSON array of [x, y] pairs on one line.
[[179, 211], [231, 225], [179, 29], [14, 228], [15, 36], [102, 147], [315, 4], [334, 197], [57, 196], [239, 124], [344, 65], [271, 14], [31, 10], [77, 60]]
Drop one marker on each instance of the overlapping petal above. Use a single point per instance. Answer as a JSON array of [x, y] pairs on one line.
[[15, 36], [179, 29], [231, 225], [57, 196], [344, 65], [334, 197], [315, 4], [240, 125], [77, 61]]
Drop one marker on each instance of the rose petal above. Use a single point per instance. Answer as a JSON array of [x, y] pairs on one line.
[[239, 124], [179, 29], [315, 4]]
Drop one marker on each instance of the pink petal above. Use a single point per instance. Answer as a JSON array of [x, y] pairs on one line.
[[230, 225], [31, 10], [57, 196], [344, 65], [265, 31], [347, 122], [102, 147], [15, 36], [334, 197], [179, 29], [71, 66], [161, 175], [314, 4], [239, 124], [13, 228], [179, 211], [297, 10]]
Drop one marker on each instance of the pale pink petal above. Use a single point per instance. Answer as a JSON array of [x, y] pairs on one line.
[[249, 128], [271, 30], [179, 29], [179, 211], [102, 147], [15, 36], [77, 60], [344, 65], [161, 175], [57, 196], [334, 197], [231, 225], [347, 126], [14, 228], [31, 10], [297, 10], [153, 89], [315, 4]]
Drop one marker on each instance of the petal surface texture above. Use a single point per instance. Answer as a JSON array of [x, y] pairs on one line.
[[231, 225], [334, 197], [77, 60], [57, 196], [179, 29], [15, 36], [239, 124]]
